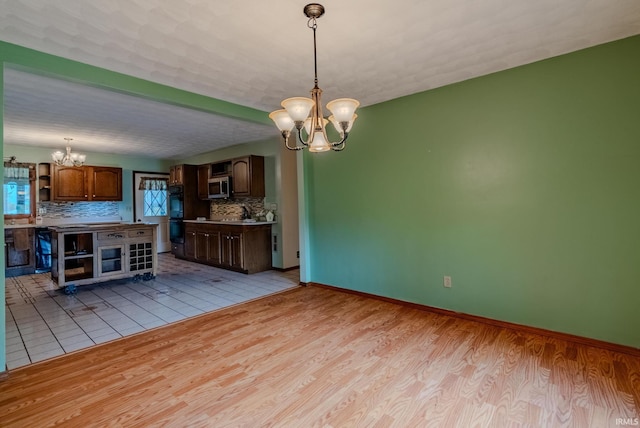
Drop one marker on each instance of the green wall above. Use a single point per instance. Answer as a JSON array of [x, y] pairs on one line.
[[521, 185]]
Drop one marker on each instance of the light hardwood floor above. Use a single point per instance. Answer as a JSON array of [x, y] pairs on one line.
[[318, 357]]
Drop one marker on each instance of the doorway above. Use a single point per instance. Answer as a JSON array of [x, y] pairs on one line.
[[151, 204]]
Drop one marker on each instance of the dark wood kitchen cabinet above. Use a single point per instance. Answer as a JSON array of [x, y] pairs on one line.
[[208, 246], [176, 175], [248, 176], [69, 184], [204, 172], [177, 250], [86, 183], [233, 250], [105, 183], [192, 206], [19, 251], [242, 248], [189, 243], [202, 244], [212, 245]]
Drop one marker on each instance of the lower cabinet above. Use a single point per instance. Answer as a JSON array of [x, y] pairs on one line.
[[111, 260], [202, 245], [19, 251], [233, 251], [236, 247], [177, 250], [111, 253], [208, 247]]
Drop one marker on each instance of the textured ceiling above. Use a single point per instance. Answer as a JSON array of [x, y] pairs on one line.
[[256, 53], [42, 111]]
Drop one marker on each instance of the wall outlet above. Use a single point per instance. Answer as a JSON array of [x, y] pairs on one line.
[[447, 282]]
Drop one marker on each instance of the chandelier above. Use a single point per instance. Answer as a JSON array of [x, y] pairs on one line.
[[307, 112], [68, 158]]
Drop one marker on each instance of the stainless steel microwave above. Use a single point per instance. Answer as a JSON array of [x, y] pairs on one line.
[[219, 187]]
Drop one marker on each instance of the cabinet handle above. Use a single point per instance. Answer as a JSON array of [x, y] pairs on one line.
[[86, 196], [94, 195]]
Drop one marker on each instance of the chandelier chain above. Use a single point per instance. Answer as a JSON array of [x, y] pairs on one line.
[[315, 52]]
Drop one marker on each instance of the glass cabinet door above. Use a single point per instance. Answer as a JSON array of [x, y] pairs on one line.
[[111, 260]]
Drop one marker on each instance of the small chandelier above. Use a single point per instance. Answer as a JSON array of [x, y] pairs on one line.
[[69, 158], [297, 110]]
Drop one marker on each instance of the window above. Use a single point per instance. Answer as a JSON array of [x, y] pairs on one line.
[[19, 189], [155, 196], [155, 203]]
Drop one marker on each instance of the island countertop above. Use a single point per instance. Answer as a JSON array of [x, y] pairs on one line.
[[98, 227]]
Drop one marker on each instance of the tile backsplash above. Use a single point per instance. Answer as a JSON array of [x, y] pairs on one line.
[[219, 209], [71, 210], [227, 209]]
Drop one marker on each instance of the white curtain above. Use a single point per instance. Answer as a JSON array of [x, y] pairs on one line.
[[153, 183], [20, 172]]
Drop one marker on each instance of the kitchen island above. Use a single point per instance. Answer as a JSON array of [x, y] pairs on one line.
[[91, 253]]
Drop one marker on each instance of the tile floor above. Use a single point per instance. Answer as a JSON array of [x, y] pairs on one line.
[[42, 322]]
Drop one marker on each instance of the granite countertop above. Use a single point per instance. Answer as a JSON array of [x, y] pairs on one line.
[[19, 226], [68, 221], [98, 226], [232, 222]]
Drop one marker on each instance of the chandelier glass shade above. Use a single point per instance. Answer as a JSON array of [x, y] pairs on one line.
[[306, 113], [69, 158]]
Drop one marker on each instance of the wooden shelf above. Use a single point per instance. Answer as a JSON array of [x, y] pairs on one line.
[[44, 182]]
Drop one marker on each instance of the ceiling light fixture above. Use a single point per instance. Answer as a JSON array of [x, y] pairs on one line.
[[69, 158], [296, 110]]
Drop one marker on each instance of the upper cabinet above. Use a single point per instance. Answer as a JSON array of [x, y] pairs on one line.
[[86, 183], [203, 181], [187, 177], [247, 175], [69, 184], [176, 175], [106, 183]]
